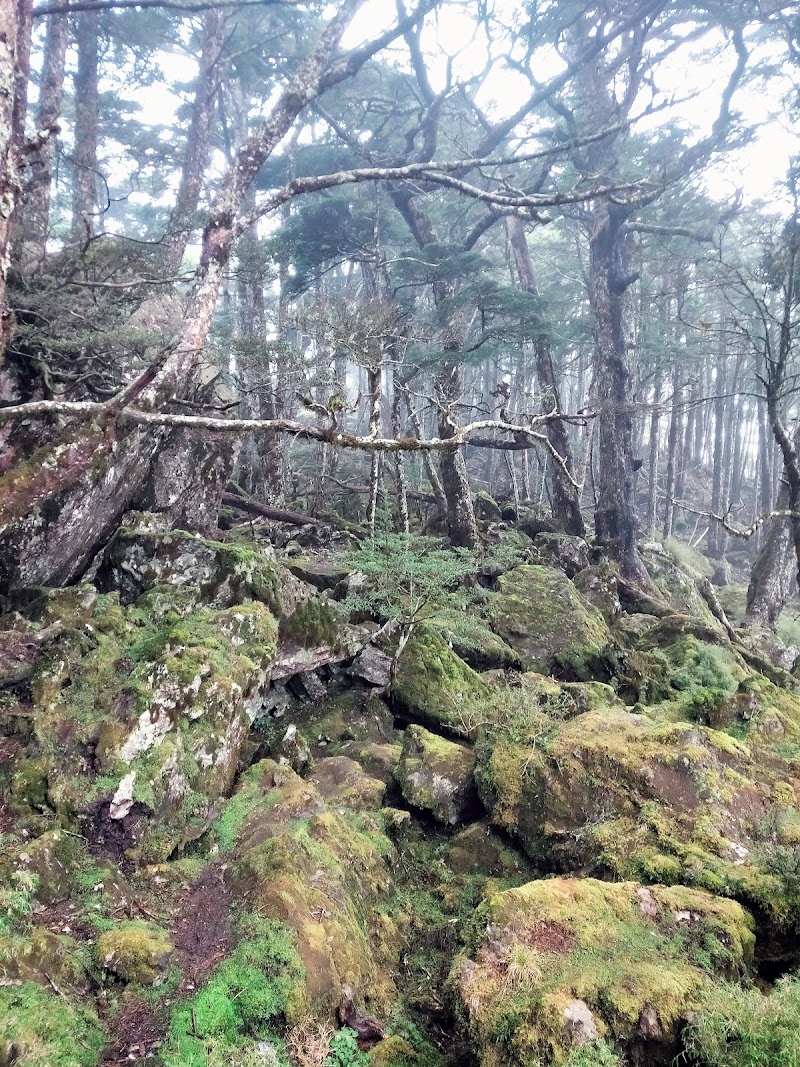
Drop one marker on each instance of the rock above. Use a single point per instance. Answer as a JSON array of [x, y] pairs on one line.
[[373, 667], [558, 963], [616, 792], [541, 615], [432, 683], [293, 750], [50, 859], [479, 850], [342, 783], [380, 760], [472, 639], [321, 874], [145, 553], [437, 775], [134, 952], [578, 1024], [163, 710], [568, 553], [319, 572], [599, 587]]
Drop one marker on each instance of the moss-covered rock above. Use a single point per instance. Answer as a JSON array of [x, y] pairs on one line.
[[134, 952], [471, 638], [619, 793], [432, 683], [342, 783], [146, 724], [563, 962], [568, 553], [321, 871], [480, 850], [145, 552], [437, 775], [540, 613]]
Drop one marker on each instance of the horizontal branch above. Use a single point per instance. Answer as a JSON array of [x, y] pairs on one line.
[[744, 533], [473, 432], [190, 6]]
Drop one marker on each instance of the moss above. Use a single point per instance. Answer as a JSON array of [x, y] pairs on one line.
[[432, 683], [246, 999], [312, 623], [541, 615], [473, 640], [436, 774], [48, 1029], [618, 948], [169, 702], [135, 952], [321, 877], [619, 793]]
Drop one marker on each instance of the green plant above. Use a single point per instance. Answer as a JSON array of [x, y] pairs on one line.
[[595, 1054], [406, 575], [738, 1027], [344, 1051], [16, 902]]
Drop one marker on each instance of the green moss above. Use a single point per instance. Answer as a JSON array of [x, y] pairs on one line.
[[618, 948], [541, 615], [134, 951], [48, 1029], [433, 683], [246, 999], [312, 623]]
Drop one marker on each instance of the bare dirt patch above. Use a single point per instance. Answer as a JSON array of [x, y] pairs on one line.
[[201, 932]]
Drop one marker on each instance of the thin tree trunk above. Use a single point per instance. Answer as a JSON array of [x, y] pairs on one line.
[[652, 466], [566, 500], [84, 156], [182, 219], [36, 207], [15, 24], [672, 451]]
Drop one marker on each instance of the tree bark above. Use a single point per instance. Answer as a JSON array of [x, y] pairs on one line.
[[84, 156], [615, 515], [15, 29], [36, 206], [566, 499], [182, 219]]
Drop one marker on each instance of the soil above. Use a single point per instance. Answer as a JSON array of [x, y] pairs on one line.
[[546, 935], [201, 932]]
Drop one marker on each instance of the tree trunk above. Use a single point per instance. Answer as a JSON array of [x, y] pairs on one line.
[[655, 421], [84, 157], [53, 519], [15, 27], [36, 207], [615, 515], [182, 220], [715, 546], [672, 451], [566, 499]]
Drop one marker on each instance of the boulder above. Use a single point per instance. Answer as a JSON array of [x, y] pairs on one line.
[[561, 963], [568, 553], [323, 874], [142, 721], [145, 553], [437, 775], [432, 683], [540, 613], [622, 794], [134, 952]]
